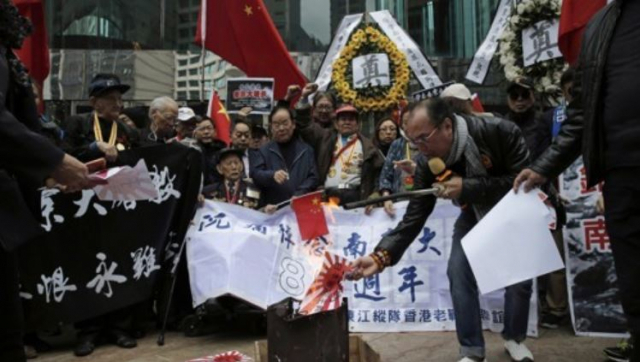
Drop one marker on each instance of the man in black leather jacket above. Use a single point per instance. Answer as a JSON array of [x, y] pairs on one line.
[[603, 121], [485, 155]]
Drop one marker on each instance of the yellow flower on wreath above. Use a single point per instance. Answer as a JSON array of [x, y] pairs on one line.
[[370, 30]]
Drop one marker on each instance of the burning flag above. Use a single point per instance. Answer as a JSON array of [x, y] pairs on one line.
[[325, 293]]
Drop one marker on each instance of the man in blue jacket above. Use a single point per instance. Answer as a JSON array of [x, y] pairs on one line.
[[284, 167]]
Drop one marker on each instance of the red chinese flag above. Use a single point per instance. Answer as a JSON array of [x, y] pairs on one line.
[[241, 32], [310, 215], [574, 16], [221, 120], [35, 49]]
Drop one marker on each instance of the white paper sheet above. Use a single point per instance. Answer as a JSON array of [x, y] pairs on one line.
[[512, 243], [126, 184]]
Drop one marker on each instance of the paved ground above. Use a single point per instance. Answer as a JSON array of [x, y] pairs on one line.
[[557, 346]]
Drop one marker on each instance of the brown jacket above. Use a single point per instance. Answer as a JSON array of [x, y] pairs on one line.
[[323, 141]]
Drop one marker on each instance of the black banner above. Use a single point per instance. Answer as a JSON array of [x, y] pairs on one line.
[[256, 93], [95, 256]]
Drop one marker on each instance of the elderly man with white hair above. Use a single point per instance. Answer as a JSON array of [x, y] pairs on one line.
[[163, 112]]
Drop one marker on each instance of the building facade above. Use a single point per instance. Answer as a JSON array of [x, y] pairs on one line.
[[155, 53]]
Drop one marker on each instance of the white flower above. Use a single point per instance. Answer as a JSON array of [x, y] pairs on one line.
[[521, 8], [515, 20], [546, 82]]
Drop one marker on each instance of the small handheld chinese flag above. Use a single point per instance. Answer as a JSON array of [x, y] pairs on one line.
[[221, 120], [310, 215]]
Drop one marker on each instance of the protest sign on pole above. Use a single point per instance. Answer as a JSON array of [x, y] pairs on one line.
[[256, 93]]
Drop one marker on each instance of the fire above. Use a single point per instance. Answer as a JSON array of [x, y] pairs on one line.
[[334, 203]]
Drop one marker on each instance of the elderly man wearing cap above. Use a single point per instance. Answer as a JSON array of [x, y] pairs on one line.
[[101, 133], [187, 122], [348, 163]]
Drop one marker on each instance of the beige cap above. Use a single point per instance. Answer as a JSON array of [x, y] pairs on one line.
[[457, 90]]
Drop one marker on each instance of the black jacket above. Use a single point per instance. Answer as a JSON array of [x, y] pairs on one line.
[[303, 177], [323, 140], [26, 159], [80, 136], [504, 153], [583, 130]]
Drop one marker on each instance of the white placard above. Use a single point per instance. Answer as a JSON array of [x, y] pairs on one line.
[[421, 67], [512, 243], [125, 183], [482, 59], [540, 42], [259, 258], [371, 70]]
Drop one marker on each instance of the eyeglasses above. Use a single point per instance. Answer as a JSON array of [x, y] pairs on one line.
[[516, 95], [281, 125], [423, 140]]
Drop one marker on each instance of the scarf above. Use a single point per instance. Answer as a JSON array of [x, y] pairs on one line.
[[463, 144]]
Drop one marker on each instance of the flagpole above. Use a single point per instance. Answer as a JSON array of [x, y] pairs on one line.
[[203, 37]]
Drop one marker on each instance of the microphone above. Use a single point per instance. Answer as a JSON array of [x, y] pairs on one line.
[[439, 169]]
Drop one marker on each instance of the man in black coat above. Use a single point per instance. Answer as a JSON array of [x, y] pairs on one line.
[[101, 133], [603, 124], [26, 160], [484, 155], [284, 167]]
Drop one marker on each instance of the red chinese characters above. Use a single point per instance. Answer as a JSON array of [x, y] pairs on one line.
[[583, 183], [595, 235]]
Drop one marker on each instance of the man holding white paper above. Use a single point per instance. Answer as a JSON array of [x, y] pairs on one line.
[[482, 155]]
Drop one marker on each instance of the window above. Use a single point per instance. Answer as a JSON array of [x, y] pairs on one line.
[[194, 83], [182, 73], [193, 71]]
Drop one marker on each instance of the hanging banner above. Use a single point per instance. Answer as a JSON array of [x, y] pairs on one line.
[[430, 93], [421, 67], [256, 93], [482, 59], [260, 259], [95, 256], [347, 25], [591, 277]]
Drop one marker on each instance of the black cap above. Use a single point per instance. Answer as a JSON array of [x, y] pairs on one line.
[[226, 152], [522, 82], [103, 83]]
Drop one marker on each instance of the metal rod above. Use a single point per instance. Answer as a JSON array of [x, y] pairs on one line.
[[398, 196]]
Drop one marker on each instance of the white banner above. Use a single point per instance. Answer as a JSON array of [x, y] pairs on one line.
[[259, 258], [540, 42], [343, 32], [482, 60], [421, 67]]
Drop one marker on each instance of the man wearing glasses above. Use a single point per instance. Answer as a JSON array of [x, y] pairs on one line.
[[485, 155], [349, 164]]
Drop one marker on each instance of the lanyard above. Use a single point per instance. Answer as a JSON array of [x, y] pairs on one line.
[[97, 131]]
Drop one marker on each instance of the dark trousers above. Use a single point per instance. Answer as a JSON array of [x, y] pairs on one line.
[[622, 212], [107, 326], [466, 302], [11, 318]]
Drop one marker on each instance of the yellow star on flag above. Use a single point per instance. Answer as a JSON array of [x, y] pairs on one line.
[[223, 111], [248, 10]]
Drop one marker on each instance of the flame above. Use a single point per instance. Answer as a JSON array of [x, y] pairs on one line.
[[334, 203]]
